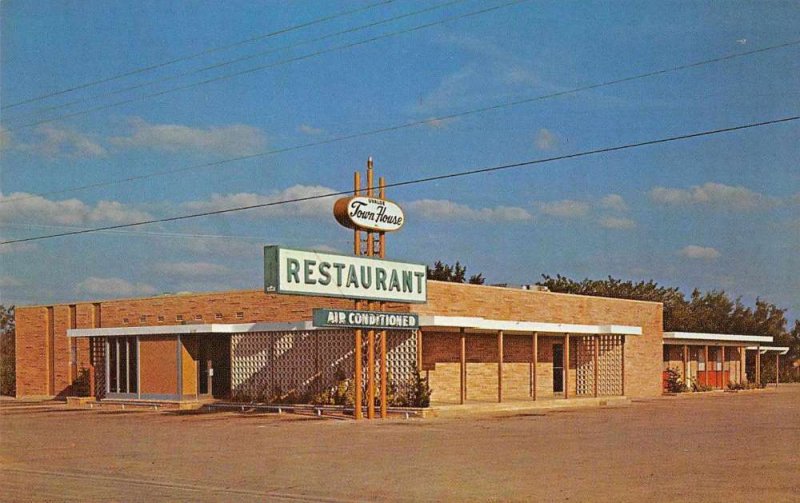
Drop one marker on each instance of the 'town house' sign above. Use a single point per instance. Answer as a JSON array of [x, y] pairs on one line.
[[368, 213], [306, 272]]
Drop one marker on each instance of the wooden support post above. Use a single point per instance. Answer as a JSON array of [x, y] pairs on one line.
[[499, 366], [777, 369], [722, 383], [370, 374], [685, 365], [742, 363], [357, 383], [758, 365], [622, 377], [705, 359], [463, 367], [384, 376], [596, 363], [535, 360], [566, 366]]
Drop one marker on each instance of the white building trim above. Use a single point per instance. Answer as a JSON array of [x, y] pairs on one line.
[[478, 323], [781, 350], [697, 336], [206, 328]]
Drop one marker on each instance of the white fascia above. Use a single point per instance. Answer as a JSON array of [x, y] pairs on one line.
[[697, 336], [207, 328], [478, 323]]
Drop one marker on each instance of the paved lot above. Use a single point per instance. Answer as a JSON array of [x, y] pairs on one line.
[[719, 447]]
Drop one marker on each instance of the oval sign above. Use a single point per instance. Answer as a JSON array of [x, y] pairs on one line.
[[368, 213]]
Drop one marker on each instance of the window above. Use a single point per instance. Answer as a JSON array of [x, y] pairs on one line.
[[161, 318], [125, 321], [179, 317], [122, 365], [143, 318], [240, 315], [198, 317], [218, 316]]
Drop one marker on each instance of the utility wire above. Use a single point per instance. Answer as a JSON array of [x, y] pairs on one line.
[[446, 176], [245, 58], [198, 54], [136, 233], [271, 65], [405, 125]]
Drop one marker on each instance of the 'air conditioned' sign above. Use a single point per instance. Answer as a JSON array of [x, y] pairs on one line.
[[331, 275]]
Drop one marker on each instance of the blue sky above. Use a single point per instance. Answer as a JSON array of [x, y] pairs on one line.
[[719, 212]]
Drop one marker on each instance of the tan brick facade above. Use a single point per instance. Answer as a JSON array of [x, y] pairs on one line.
[[42, 342]]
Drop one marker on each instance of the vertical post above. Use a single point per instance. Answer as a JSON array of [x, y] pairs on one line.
[[463, 367], [705, 359], [742, 363], [370, 333], [685, 364], [596, 339], [419, 350], [499, 366], [535, 360], [566, 366], [383, 364], [777, 369], [722, 383], [357, 356], [758, 365], [622, 377]]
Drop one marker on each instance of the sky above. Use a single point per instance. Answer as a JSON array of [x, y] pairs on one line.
[[172, 108]]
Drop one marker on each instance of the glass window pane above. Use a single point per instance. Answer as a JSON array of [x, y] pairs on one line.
[[123, 362], [112, 365], [133, 380]]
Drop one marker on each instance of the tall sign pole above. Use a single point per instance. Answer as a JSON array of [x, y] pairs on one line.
[[358, 413]]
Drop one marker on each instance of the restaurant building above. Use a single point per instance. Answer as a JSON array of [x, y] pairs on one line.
[[474, 343]]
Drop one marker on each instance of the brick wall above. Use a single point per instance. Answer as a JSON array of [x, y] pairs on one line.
[[642, 353], [643, 357]]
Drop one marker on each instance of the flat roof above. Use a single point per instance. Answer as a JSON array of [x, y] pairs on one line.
[[781, 350], [202, 328], [699, 336], [525, 326]]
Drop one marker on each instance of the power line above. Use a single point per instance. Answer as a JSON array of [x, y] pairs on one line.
[[406, 125], [137, 233], [446, 176], [198, 54], [245, 58], [271, 65]]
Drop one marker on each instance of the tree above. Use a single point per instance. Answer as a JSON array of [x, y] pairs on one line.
[[7, 357], [454, 274]]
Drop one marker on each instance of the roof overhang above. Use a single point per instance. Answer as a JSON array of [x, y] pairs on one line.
[[208, 328], [477, 323], [781, 350], [697, 337]]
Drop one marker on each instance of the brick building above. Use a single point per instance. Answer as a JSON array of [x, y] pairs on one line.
[[476, 343]]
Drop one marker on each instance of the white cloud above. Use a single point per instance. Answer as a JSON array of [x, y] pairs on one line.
[[545, 139], [712, 194], [566, 208], [115, 287], [443, 209], [9, 282], [699, 252], [310, 130], [190, 269], [236, 139], [616, 223], [312, 208], [614, 202], [21, 207], [56, 141]]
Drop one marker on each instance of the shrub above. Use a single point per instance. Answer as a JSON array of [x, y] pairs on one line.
[[674, 382]]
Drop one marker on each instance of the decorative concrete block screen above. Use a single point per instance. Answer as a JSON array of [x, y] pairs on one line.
[[268, 365], [97, 354], [609, 366]]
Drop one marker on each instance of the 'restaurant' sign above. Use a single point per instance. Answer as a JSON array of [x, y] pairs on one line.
[[378, 320], [331, 275], [368, 213]]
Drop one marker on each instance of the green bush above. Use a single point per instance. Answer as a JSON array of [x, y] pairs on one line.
[[674, 382]]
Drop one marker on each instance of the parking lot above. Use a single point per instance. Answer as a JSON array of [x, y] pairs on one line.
[[718, 447]]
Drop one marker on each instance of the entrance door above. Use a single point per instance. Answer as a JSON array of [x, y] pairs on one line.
[[214, 366], [558, 368]]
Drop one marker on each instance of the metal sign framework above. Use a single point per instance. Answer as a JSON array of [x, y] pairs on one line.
[[372, 244]]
